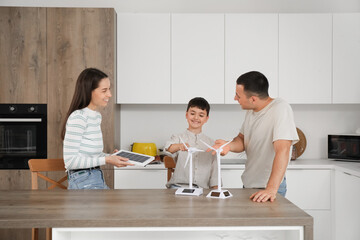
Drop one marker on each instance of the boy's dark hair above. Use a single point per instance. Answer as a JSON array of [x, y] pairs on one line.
[[255, 83], [199, 102]]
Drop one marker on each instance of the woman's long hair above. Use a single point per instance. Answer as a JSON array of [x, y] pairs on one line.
[[87, 81]]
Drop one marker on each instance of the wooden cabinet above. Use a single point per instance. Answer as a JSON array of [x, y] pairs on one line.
[[305, 53], [346, 58], [197, 57], [251, 44], [77, 38], [23, 55], [144, 58], [347, 208], [42, 51]]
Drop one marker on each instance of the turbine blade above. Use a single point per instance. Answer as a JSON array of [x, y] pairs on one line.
[[183, 142], [208, 145], [225, 144]]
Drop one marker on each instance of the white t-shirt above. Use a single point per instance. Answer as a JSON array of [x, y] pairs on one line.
[[260, 130]]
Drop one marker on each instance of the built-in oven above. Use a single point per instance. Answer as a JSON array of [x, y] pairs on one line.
[[23, 134]]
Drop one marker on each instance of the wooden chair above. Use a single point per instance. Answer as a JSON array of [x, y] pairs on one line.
[[45, 165], [170, 164]]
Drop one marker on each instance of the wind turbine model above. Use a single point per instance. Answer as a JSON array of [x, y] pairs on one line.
[[191, 190], [218, 193]]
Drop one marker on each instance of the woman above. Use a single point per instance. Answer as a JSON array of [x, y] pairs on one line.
[[83, 142]]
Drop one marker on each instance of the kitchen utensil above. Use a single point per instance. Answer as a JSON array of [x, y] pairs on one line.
[[145, 148], [300, 146]]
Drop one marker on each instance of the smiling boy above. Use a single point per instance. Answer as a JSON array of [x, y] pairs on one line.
[[204, 164]]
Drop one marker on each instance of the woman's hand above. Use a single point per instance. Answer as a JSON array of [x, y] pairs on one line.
[[118, 161]]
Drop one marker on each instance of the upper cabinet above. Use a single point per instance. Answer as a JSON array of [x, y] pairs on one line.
[[251, 44], [143, 58], [171, 58], [197, 57], [305, 53], [23, 55], [346, 58]]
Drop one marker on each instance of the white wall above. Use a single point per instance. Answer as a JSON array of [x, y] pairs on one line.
[[156, 123]]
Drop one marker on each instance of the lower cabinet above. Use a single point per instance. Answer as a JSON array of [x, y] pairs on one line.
[[310, 190], [347, 207], [140, 178], [231, 178]]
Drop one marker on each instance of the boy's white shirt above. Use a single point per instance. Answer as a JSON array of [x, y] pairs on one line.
[[205, 173]]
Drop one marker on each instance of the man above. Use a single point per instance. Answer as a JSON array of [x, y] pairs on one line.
[[267, 135]]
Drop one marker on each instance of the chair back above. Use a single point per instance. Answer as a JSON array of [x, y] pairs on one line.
[[170, 164], [46, 165]]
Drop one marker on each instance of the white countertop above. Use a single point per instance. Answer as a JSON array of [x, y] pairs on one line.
[[352, 168]]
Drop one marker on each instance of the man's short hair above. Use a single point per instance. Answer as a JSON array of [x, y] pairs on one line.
[[199, 102], [255, 84]]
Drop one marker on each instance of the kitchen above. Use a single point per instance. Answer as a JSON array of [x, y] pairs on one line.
[[315, 119]]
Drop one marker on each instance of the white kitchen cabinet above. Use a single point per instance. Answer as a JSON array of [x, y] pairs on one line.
[[305, 58], [347, 207], [346, 58], [231, 178], [309, 189], [251, 44], [139, 178], [322, 224], [143, 74], [197, 57]]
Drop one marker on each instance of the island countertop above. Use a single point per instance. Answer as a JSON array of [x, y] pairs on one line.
[[143, 208]]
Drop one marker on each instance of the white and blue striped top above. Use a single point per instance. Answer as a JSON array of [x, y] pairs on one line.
[[83, 142]]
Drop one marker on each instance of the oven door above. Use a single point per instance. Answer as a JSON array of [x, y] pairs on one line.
[[22, 138]]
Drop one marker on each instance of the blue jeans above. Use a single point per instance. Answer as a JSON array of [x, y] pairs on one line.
[[86, 179], [282, 188]]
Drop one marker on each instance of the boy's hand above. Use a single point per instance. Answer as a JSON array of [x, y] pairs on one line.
[[182, 147], [218, 144]]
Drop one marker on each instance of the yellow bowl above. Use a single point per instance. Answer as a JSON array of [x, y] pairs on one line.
[[145, 148]]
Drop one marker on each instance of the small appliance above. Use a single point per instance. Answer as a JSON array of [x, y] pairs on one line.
[[344, 147]]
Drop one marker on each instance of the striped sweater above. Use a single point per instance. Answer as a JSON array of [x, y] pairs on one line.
[[83, 142]]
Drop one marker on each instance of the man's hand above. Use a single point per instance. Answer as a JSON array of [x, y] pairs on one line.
[[218, 144], [264, 195]]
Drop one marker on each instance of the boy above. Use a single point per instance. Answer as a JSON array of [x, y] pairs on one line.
[[204, 164]]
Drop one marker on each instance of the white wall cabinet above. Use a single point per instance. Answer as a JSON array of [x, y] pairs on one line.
[[197, 57], [346, 58], [347, 208], [143, 58], [251, 44], [305, 53]]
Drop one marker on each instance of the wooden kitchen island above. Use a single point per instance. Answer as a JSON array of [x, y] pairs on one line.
[[152, 214]]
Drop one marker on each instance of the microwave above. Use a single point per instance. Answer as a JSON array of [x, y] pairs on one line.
[[345, 147]]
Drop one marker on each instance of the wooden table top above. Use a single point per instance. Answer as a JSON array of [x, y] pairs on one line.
[[142, 208]]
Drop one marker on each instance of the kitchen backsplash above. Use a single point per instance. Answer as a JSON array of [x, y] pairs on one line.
[[158, 122]]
